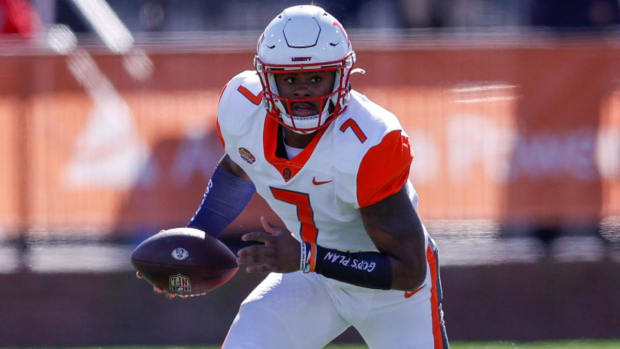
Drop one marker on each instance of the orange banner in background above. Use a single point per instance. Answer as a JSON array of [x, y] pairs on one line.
[[511, 134]]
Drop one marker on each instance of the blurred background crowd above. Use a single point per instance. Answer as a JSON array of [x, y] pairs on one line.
[[25, 17]]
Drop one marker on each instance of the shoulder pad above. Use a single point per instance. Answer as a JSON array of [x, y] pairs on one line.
[[240, 99]]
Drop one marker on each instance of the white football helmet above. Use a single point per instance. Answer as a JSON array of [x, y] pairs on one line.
[[304, 38]]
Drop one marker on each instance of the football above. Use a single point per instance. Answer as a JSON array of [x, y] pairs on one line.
[[184, 261]]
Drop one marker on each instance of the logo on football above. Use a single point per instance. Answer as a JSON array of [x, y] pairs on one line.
[[179, 253], [184, 260], [179, 283]]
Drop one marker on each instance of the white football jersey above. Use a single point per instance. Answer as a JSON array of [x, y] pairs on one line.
[[361, 158]]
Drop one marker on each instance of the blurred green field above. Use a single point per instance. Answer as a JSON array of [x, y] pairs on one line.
[[575, 344]]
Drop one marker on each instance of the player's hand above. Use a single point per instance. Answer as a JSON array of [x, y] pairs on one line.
[[159, 290], [279, 252]]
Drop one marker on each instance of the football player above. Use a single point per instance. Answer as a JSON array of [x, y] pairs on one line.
[[334, 166]]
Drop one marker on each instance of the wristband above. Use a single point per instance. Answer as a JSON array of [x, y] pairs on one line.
[[302, 257], [308, 257]]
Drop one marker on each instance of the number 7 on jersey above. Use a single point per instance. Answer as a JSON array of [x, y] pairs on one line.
[[305, 214]]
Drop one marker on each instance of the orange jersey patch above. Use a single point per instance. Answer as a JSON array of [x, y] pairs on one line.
[[384, 169]]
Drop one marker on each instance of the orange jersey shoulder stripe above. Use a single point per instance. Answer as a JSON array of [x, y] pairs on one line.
[[384, 169], [219, 134], [438, 334]]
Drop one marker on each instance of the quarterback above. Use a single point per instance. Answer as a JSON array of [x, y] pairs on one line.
[[335, 167]]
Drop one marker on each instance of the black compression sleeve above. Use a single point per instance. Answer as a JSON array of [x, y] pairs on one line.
[[366, 269]]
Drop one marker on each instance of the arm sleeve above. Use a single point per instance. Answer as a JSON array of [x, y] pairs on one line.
[[384, 169], [224, 199]]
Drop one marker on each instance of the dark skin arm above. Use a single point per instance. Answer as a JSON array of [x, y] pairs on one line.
[[395, 228], [392, 224]]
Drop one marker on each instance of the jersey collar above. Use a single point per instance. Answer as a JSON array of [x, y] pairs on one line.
[[272, 137]]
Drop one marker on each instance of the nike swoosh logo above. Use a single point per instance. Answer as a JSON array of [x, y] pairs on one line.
[[411, 293], [315, 182]]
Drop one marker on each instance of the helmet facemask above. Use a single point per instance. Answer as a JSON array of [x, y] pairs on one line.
[[330, 105]]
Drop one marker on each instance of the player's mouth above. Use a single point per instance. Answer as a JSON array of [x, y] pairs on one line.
[[304, 108]]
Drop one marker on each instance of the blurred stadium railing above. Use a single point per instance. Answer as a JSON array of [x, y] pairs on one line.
[[514, 134]]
